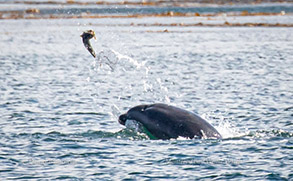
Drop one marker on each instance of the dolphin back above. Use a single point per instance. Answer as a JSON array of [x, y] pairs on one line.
[[179, 122]]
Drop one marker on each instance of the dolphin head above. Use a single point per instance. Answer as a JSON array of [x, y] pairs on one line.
[[135, 113], [136, 118]]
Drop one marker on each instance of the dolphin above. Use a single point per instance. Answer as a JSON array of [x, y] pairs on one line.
[[162, 121]]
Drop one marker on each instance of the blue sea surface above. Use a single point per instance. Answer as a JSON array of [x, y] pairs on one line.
[[59, 106]]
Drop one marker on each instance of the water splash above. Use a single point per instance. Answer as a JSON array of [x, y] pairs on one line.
[[133, 124], [126, 80], [139, 128], [223, 124], [115, 111], [227, 130], [116, 61]]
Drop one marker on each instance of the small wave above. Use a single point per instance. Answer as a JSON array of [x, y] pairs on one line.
[[77, 137], [122, 134], [199, 161], [262, 134], [271, 133]]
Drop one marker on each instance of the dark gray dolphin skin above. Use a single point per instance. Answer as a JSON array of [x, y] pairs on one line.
[[166, 122], [86, 36]]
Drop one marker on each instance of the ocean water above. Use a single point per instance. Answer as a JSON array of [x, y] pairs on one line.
[[59, 106]]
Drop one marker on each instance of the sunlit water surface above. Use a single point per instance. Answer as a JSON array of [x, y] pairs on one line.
[[59, 106]]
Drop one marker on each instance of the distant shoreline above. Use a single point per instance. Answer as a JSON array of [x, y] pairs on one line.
[[70, 9], [148, 2]]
